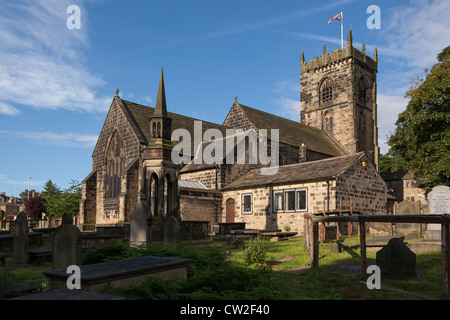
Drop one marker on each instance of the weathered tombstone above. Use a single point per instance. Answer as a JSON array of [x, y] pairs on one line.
[[408, 230], [171, 230], [66, 244], [396, 260], [20, 251], [438, 203], [140, 228]]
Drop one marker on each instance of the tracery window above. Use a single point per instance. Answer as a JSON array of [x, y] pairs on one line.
[[114, 166], [326, 91]]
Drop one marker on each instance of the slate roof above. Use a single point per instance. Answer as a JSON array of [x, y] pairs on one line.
[[139, 116], [294, 133], [397, 175], [318, 170]]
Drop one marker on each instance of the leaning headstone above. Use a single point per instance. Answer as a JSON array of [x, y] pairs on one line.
[[20, 251], [140, 229], [438, 203], [396, 260], [171, 230], [66, 244]]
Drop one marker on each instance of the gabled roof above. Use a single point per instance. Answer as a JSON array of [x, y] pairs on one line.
[[318, 170], [139, 116], [398, 175], [294, 133]]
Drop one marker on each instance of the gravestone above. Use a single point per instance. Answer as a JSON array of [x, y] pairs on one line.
[[171, 230], [66, 244], [396, 260], [140, 226], [438, 203], [20, 247], [408, 230]]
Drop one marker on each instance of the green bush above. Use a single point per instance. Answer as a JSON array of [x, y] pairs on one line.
[[256, 254]]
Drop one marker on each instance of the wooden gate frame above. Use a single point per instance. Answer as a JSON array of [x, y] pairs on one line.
[[443, 220]]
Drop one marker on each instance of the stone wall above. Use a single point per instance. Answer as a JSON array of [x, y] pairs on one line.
[[108, 210], [364, 186], [200, 205]]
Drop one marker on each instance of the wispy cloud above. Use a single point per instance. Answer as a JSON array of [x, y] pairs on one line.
[[8, 110], [419, 31], [41, 60], [67, 139], [242, 27]]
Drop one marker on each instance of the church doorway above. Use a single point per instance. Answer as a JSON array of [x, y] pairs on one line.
[[230, 211]]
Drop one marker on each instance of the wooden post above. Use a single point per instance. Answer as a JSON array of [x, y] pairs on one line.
[[350, 224], [315, 244], [362, 239], [445, 234], [338, 230]]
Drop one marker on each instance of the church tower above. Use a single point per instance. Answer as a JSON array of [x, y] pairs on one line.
[[338, 94]]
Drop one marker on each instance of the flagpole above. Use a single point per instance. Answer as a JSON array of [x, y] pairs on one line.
[[342, 30]]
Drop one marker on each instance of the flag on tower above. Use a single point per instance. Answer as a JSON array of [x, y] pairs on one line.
[[340, 17], [336, 17]]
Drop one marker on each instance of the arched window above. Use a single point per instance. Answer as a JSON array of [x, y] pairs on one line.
[[152, 193], [328, 121], [168, 195], [362, 91], [114, 167], [326, 91]]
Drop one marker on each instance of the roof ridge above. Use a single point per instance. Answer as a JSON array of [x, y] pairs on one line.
[[177, 114]]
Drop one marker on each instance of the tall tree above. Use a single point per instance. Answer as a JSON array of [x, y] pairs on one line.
[[422, 136], [50, 189]]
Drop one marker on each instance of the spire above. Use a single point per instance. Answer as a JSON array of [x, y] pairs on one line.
[[161, 107], [350, 38], [302, 57], [375, 54]]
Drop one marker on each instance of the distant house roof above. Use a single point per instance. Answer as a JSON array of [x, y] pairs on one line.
[[294, 133], [397, 175], [297, 173]]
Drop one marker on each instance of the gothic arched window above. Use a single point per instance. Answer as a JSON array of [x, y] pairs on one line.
[[362, 91], [114, 166], [328, 121], [326, 91]]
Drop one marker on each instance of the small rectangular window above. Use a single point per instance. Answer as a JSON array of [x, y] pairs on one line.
[[278, 201], [301, 200], [290, 200], [247, 205]]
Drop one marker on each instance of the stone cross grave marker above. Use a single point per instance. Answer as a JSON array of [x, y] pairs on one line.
[[66, 244], [20, 249]]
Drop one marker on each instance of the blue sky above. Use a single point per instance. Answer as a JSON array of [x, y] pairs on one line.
[[56, 83]]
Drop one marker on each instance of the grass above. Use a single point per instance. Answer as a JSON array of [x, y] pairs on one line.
[[219, 272]]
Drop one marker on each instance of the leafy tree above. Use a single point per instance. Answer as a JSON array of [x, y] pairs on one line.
[[66, 201], [391, 163], [422, 136], [34, 206]]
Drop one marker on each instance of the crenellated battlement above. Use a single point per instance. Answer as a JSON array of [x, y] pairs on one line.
[[340, 54]]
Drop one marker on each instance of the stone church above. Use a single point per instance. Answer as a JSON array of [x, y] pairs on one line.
[[327, 161]]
